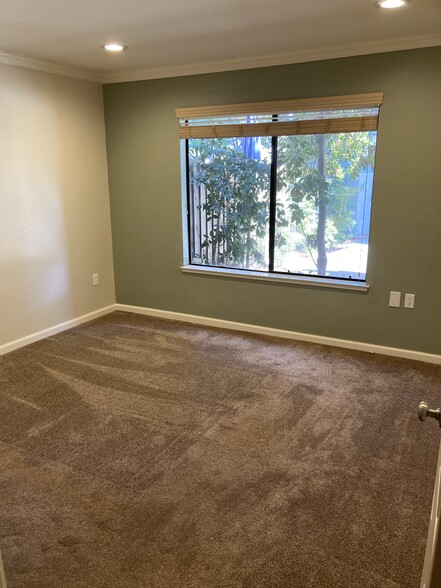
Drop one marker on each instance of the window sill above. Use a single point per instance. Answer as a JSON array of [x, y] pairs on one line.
[[281, 279]]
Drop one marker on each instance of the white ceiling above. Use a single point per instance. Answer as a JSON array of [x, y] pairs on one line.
[[169, 37]]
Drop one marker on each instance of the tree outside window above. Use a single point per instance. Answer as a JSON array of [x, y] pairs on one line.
[[322, 191]]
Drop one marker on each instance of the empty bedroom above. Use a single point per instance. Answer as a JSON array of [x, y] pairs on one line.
[[220, 286]]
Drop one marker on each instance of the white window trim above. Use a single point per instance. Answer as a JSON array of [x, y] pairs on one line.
[[279, 278]]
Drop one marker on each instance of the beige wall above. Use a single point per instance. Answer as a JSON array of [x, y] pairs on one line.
[[54, 208]]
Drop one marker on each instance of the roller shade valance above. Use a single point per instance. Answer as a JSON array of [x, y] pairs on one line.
[[335, 114]]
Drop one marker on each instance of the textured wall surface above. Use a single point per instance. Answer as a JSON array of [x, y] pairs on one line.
[[145, 191], [54, 205]]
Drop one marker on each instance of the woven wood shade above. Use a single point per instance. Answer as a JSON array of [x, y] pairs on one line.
[[307, 127], [340, 124], [284, 106]]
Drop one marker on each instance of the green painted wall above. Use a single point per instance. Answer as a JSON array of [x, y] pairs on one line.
[[405, 248]]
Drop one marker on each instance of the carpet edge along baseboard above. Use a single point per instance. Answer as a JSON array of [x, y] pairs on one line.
[[284, 334], [223, 324]]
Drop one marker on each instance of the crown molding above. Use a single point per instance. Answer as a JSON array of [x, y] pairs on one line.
[[219, 66], [370, 48], [48, 67]]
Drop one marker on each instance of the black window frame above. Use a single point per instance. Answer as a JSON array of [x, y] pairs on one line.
[[272, 225]]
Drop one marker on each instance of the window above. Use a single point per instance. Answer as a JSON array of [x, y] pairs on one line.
[[282, 187]]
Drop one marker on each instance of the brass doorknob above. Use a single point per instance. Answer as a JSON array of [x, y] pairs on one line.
[[424, 411]]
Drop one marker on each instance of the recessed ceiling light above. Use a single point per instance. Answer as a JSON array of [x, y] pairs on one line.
[[391, 3], [114, 47]]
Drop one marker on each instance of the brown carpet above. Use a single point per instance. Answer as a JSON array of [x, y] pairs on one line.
[[143, 453]]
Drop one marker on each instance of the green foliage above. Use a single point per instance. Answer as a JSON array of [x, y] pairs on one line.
[[345, 154], [236, 201], [314, 198]]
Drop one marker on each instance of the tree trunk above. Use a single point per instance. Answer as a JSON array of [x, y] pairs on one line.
[[322, 260], [247, 255], [215, 243]]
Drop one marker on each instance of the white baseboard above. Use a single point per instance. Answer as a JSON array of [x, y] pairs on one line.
[[223, 324], [7, 347], [260, 330]]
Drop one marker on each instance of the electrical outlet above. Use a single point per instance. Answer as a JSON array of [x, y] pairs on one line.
[[395, 299], [409, 300], [95, 280]]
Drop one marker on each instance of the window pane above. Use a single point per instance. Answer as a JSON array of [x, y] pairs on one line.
[[324, 194], [229, 185]]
